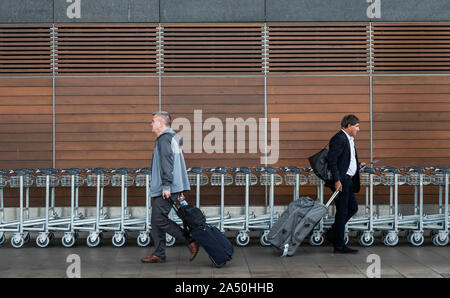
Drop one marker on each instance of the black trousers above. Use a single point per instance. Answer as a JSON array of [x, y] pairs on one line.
[[161, 224], [346, 207]]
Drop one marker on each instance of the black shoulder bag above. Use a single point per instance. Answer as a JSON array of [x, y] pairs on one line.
[[319, 164]]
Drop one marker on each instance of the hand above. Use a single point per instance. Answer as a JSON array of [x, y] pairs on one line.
[[166, 194], [362, 165], [338, 185]]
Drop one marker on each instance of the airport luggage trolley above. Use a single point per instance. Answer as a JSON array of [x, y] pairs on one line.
[[72, 178], [143, 179], [198, 179], [122, 178], [243, 177], [293, 177], [268, 177], [47, 179], [3, 184], [220, 177], [414, 224], [439, 223], [22, 180], [389, 224], [364, 224], [96, 178]]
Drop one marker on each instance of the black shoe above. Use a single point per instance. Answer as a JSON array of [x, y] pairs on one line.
[[345, 250], [329, 237]]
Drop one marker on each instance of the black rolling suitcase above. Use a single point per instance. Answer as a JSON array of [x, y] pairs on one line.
[[217, 246]]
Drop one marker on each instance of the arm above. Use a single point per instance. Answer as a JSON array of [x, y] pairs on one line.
[[166, 162], [336, 149]]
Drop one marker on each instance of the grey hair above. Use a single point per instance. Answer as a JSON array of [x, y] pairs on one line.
[[165, 116]]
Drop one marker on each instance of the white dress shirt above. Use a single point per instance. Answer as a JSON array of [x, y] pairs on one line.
[[352, 167]]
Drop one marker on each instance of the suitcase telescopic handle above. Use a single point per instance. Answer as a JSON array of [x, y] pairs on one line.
[[332, 198]]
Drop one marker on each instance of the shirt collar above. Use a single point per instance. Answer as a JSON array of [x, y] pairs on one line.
[[349, 137]]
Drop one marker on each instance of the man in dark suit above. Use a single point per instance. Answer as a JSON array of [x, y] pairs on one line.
[[344, 166]]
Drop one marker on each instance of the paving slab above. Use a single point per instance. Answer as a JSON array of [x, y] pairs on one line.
[[252, 261]]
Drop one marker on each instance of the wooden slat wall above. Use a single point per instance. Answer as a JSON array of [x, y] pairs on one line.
[[318, 47], [212, 48], [105, 121], [25, 49], [25, 123], [411, 127], [106, 49], [411, 47], [412, 120]]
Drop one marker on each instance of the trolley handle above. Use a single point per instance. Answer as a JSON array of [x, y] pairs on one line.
[[122, 171], [220, 170], [369, 164], [368, 170], [413, 169], [71, 171], [389, 169], [21, 172], [196, 170], [142, 170], [438, 169], [245, 170], [269, 170], [48, 171], [98, 171], [291, 169]]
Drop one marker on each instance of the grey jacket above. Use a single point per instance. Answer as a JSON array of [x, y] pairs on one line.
[[168, 166]]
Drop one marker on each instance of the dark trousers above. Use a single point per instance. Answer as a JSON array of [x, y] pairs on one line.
[[346, 207], [161, 224]]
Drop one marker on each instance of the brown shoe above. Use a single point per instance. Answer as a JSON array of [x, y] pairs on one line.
[[152, 259], [193, 248]]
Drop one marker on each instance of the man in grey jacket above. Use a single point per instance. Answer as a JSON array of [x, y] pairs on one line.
[[169, 179]]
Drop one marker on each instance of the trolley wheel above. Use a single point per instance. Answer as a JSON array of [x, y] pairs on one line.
[[143, 239], [68, 240], [417, 239], [17, 241], [43, 240], [366, 239], [119, 239], [93, 240], [242, 239], [316, 239], [391, 239], [2, 238], [263, 239], [440, 239], [170, 240]]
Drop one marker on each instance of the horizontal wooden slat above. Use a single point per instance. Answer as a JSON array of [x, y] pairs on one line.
[[409, 43]]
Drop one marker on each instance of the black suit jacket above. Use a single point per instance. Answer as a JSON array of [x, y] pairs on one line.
[[339, 159]]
